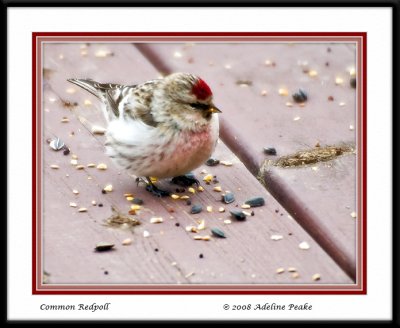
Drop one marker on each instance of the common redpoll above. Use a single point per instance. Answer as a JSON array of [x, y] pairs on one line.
[[162, 128]]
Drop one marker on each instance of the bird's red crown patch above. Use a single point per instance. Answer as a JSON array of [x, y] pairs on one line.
[[201, 90]]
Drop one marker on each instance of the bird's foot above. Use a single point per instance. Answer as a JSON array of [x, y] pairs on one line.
[[186, 180], [157, 191]]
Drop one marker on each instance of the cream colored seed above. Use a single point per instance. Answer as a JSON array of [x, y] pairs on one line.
[[128, 195], [98, 130], [173, 196], [226, 163], [127, 242], [209, 209], [202, 225], [91, 165], [94, 202], [102, 166], [292, 269], [146, 234], [316, 277], [313, 73], [82, 209], [75, 191], [87, 102], [200, 188], [276, 237], [207, 237], [197, 237], [184, 197], [339, 81], [73, 204], [74, 162], [192, 190], [129, 198], [264, 93], [295, 275], [283, 92], [221, 210], [227, 221], [191, 229], [280, 270], [74, 156], [245, 206], [289, 104], [108, 188], [54, 166], [80, 167], [304, 245], [156, 220], [65, 120], [217, 188], [353, 214], [135, 207]]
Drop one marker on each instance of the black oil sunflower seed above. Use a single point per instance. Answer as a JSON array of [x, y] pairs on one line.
[[300, 96], [238, 215], [270, 151], [212, 162], [255, 202], [228, 198], [218, 233], [196, 209]]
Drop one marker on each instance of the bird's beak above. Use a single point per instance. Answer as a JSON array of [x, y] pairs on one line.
[[214, 109]]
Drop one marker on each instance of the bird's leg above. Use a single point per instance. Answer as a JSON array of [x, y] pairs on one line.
[[151, 187], [185, 180]]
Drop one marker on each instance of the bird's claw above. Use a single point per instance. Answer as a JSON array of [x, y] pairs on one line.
[[186, 180], [156, 191]]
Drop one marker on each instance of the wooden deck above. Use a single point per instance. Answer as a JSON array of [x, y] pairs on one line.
[[305, 205]]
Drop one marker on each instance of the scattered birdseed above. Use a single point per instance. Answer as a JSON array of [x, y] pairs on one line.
[[127, 242], [280, 270], [221, 209], [228, 198], [353, 82], [226, 163], [104, 246], [173, 196], [102, 166], [255, 202], [98, 130], [289, 104], [351, 127], [245, 206], [184, 197], [191, 229], [74, 162], [247, 213], [304, 245], [268, 62], [209, 209], [137, 201], [108, 188], [82, 209], [54, 166], [296, 118], [292, 269], [238, 215], [66, 151], [208, 178], [206, 237], [192, 190], [87, 102], [312, 73], [218, 233], [212, 162], [283, 92], [129, 198], [201, 225], [217, 188], [353, 214], [295, 275], [56, 144], [65, 120], [94, 203], [300, 96], [75, 191], [270, 150], [264, 93], [91, 165], [73, 204], [196, 209], [227, 221], [338, 81], [316, 277], [276, 237], [103, 53], [341, 104], [330, 98], [156, 220], [80, 167], [200, 188], [177, 54], [146, 234], [136, 207]]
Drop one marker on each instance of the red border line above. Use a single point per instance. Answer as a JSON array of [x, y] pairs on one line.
[[206, 290]]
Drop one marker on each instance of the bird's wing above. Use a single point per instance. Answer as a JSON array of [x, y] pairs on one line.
[[135, 99]]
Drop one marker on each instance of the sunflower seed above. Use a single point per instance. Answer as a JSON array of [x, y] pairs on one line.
[[218, 233], [156, 220], [212, 162], [104, 246], [270, 151], [255, 202], [196, 209], [91, 165], [98, 130], [238, 215], [228, 198]]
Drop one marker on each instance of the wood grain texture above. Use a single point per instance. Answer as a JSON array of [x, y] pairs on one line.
[[170, 255]]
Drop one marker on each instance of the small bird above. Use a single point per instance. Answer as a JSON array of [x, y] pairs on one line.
[[162, 128]]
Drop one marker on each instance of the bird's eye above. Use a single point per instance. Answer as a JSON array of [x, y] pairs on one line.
[[200, 106]]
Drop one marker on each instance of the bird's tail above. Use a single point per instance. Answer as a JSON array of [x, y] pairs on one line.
[[88, 85]]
